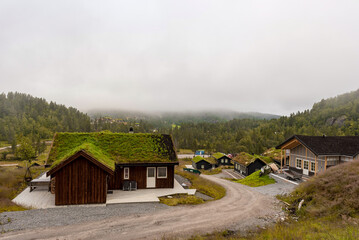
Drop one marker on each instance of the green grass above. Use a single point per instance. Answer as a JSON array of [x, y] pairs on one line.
[[212, 171], [4, 144], [12, 182], [185, 151], [117, 147], [181, 199], [254, 180], [204, 186]]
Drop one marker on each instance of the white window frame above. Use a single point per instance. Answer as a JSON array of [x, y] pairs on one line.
[[306, 162], [222, 160], [226, 160], [311, 166], [126, 176], [158, 176], [296, 163]]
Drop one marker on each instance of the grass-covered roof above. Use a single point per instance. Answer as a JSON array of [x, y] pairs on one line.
[[196, 159], [218, 155], [110, 148], [246, 158]]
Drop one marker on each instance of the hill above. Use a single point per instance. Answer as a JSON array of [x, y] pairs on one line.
[[180, 117], [23, 114]]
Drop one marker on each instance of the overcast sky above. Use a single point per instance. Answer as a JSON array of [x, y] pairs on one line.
[[244, 55]]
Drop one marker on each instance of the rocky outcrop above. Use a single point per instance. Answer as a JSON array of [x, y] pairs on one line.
[[336, 121]]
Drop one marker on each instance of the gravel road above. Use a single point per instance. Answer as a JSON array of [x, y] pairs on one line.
[[242, 208]]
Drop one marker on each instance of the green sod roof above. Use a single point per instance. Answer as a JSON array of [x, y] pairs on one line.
[[218, 155], [246, 158], [110, 148], [196, 159]]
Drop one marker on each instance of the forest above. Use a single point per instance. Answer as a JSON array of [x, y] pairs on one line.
[[23, 116]]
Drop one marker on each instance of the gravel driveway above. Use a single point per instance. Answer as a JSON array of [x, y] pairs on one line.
[[242, 208]]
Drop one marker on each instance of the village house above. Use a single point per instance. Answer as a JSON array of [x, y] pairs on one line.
[[199, 162], [222, 159], [86, 165], [309, 155], [247, 164]]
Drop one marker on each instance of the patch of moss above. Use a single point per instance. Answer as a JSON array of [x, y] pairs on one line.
[[218, 155], [117, 147], [255, 180]]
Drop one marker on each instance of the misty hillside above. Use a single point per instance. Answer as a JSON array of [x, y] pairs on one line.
[[180, 117], [23, 114], [334, 116]]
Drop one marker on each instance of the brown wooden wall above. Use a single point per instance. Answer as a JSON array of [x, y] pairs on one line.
[[138, 174], [80, 182]]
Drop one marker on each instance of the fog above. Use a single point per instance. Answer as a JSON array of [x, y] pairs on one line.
[[265, 56]]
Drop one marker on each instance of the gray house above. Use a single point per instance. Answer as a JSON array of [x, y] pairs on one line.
[[310, 155]]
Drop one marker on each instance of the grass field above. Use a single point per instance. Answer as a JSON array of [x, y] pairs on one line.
[[254, 180], [4, 144], [12, 180], [181, 199]]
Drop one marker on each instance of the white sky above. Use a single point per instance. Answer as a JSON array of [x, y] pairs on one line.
[[244, 55]]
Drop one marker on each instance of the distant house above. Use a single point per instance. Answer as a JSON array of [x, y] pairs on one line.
[[199, 163], [310, 155], [247, 164], [199, 153], [222, 159], [86, 165]]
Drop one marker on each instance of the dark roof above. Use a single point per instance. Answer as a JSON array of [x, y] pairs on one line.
[[328, 145]]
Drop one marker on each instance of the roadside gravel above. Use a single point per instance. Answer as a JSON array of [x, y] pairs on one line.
[[39, 218]]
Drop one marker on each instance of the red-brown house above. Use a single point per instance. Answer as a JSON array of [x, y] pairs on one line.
[[86, 165]]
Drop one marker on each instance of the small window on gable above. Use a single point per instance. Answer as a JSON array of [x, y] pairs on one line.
[[162, 172], [126, 173]]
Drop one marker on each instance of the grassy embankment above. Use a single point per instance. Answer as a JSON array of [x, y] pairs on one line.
[[255, 180], [330, 209], [4, 144], [202, 185], [12, 181]]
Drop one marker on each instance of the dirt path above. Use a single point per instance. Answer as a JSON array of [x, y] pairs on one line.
[[241, 208]]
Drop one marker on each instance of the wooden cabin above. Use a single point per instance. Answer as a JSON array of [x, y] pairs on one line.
[[199, 163], [222, 159], [247, 164], [310, 155], [86, 165]]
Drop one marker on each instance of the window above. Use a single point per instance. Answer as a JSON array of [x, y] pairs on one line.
[[299, 163], [226, 161], [312, 166], [202, 166], [126, 173], [287, 161], [222, 160], [162, 172], [306, 165]]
